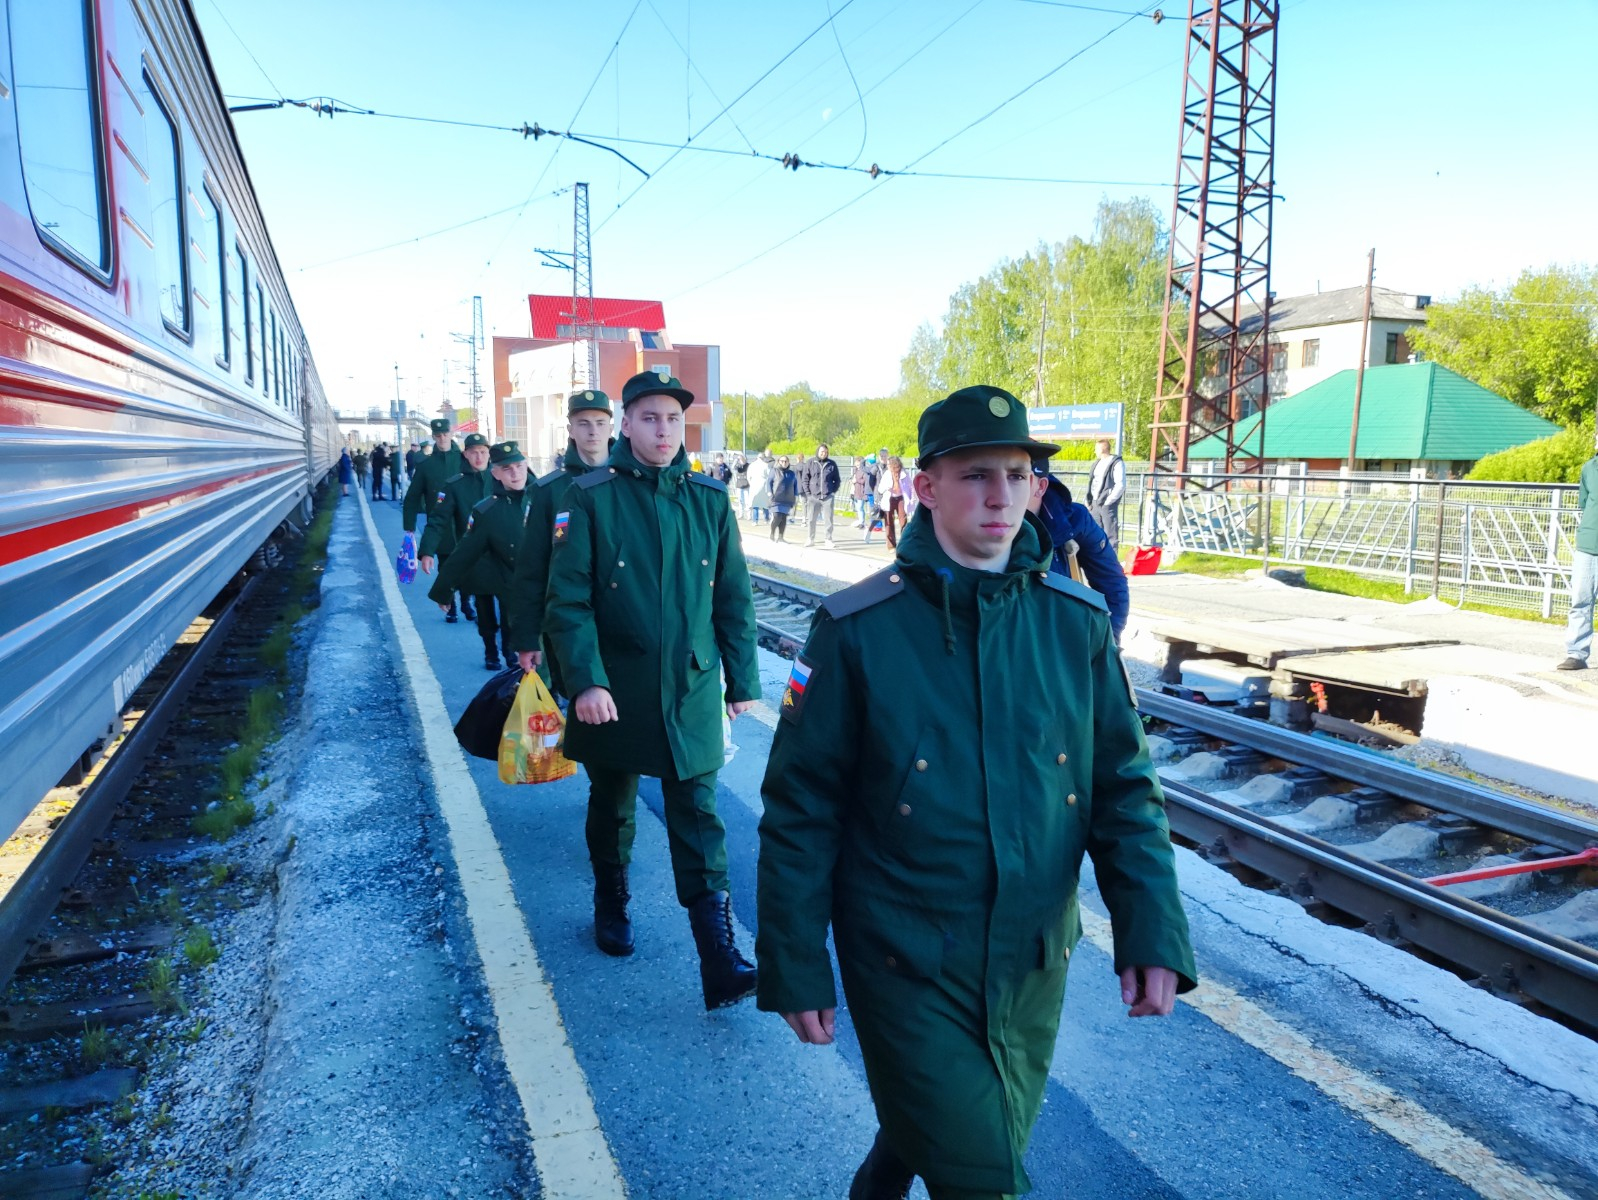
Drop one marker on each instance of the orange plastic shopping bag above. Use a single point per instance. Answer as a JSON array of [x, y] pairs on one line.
[[529, 747]]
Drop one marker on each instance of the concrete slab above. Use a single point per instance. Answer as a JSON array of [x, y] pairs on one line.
[[1325, 814], [1399, 844], [1196, 768], [1486, 890], [1575, 919], [1262, 789], [1267, 643]]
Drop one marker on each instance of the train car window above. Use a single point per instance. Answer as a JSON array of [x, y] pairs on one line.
[[53, 56], [266, 359], [211, 238], [214, 237], [249, 325], [167, 213], [277, 361]]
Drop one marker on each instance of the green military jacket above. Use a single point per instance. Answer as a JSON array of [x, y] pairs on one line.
[[524, 607], [950, 743], [428, 482], [1587, 503], [649, 597], [483, 561], [452, 510]]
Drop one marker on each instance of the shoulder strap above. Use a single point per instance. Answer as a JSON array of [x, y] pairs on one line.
[[485, 504], [595, 477], [873, 589], [546, 480], [1070, 587], [707, 481]]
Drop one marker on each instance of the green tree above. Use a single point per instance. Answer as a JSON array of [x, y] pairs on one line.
[[1534, 342], [1093, 304]]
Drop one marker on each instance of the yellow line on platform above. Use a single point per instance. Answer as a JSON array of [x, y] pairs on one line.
[[573, 1159], [1423, 1133]]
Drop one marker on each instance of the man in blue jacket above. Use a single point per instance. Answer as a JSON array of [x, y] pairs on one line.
[[1076, 535]]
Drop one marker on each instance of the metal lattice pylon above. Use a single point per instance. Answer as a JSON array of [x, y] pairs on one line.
[[583, 328], [1214, 336]]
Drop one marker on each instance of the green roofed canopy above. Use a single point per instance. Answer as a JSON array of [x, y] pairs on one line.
[[1408, 411]]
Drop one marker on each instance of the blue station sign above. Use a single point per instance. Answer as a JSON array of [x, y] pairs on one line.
[[1076, 421]]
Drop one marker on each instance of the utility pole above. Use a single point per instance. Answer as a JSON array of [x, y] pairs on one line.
[[1364, 353], [746, 425], [1043, 328], [583, 326], [399, 438], [1218, 278]]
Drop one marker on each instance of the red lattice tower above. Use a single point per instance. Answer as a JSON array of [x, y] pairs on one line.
[[1214, 336]]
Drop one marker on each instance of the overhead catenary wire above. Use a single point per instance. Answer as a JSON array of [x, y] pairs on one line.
[[498, 212]]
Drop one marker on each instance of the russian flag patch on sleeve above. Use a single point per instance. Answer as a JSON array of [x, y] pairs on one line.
[[562, 520], [793, 696]]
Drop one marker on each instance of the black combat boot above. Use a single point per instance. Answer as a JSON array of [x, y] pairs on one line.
[[724, 974], [491, 656], [613, 929], [467, 610], [453, 614], [883, 1176]]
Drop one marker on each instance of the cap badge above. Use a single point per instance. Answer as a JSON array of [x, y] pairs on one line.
[[999, 406], [588, 395], [665, 376]]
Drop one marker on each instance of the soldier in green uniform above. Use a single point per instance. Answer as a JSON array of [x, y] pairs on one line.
[[588, 444], [486, 555], [451, 511], [427, 481], [648, 608], [957, 732]]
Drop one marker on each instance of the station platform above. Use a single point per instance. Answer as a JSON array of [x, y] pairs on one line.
[[1491, 694], [1312, 1061]]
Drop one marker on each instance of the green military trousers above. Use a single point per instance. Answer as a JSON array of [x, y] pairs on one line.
[[694, 830]]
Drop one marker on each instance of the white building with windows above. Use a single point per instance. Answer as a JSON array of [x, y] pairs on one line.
[[1314, 337]]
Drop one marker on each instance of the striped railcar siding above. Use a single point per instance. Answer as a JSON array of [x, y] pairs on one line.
[[138, 472]]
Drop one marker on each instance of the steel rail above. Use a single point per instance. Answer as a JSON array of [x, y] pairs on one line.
[[1510, 814], [25, 908], [1509, 951]]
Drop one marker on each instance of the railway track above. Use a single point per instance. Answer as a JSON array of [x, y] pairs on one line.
[[103, 927], [1497, 889]]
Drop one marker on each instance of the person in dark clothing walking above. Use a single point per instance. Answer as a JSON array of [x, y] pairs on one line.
[[379, 466], [394, 462], [824, 484], [486, 554], [360, 460], [449, 518], [346, 472], [784, 495]]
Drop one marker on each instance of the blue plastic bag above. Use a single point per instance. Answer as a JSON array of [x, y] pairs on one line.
[[405, 561]]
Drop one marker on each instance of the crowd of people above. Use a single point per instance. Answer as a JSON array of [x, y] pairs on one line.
[[950, 893]]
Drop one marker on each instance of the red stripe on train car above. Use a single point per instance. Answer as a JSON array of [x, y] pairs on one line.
[[25, 543]]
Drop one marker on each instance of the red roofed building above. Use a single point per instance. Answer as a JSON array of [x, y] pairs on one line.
[[534, 375]]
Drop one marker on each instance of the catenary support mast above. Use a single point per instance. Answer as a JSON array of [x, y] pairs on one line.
[[583, 328], [1214, 335]]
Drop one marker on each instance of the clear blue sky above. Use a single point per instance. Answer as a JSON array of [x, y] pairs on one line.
[[1456, 137]]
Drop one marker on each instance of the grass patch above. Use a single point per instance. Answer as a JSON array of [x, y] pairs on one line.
[[94, 1048], [199, 947], [219, 823], [218, 873], [161, 981]]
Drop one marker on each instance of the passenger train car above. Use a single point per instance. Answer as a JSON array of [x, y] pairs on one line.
[[160, 414]]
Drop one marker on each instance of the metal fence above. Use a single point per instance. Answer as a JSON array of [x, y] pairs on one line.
[[1500, 544]]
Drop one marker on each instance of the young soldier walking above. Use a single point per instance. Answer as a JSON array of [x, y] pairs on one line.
[[648, 606], [427, 481], [588, 443], [983, 699], [447, 523], [486, 554]]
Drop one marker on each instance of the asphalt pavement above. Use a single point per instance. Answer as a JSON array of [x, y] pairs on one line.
[[1292, 1072]]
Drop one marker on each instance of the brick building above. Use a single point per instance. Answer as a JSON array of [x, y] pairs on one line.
[[534, 375]]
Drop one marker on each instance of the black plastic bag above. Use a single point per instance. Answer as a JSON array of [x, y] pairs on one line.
[[479, 729]]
